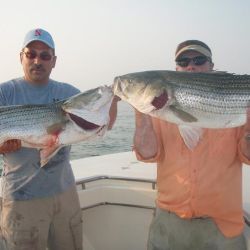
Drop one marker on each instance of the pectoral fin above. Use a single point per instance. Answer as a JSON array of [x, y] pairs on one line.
[[183, 115], [190, 135]]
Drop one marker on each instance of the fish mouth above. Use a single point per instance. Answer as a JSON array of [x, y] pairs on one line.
[[82, 123], [160, 101]]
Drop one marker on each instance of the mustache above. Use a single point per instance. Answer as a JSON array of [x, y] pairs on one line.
[[37, 67]]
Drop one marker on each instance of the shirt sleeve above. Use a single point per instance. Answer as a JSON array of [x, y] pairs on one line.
[[3, 99], [71, 90], [75, 90]]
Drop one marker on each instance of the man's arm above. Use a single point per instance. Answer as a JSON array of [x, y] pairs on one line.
[[113, 112], [10, 146], [245, 142], [145, 141]]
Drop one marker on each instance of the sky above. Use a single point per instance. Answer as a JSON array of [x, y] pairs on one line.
[[97, 40]]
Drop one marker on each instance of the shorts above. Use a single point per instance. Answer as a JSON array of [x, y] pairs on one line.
[[52, 222], [169, 231]]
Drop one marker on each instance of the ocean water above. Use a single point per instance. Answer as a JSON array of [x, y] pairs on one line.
[[119, 139]]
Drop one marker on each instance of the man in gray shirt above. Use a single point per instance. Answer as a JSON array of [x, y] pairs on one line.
[[39, 205]]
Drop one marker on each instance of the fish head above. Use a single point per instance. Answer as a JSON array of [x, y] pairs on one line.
[[89, 110], [146, 91]]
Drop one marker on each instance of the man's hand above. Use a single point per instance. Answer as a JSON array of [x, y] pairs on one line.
[[245, 142], [10, 146], [113, 111]]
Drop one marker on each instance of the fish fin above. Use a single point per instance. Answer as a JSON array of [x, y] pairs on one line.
[[181, 114], [220, 72], [190, 135], [47, 153]]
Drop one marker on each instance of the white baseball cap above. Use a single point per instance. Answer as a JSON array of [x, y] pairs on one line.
[[39, 35]]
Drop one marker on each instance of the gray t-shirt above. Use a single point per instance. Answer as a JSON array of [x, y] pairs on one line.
[[22, 177]]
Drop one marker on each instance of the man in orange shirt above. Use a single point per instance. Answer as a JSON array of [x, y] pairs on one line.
[[199, 202]]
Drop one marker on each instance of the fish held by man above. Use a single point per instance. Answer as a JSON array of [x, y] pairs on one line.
[[190, 99], [49, 127]]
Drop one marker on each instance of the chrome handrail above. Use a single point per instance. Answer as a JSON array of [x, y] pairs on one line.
[[107, 177], [117, 204]]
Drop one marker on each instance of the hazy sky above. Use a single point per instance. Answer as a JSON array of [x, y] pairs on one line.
[[97, 40]]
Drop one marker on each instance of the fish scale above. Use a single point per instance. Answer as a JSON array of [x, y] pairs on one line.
[[216, 98], [20, 121]]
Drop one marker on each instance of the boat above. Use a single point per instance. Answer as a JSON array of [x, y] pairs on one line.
[[117, 195]]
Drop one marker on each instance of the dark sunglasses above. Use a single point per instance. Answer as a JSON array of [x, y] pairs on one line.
[[198, 60], [45, 56]]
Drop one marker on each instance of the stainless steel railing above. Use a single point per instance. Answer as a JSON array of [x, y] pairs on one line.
[[83, 183], [106, 177]]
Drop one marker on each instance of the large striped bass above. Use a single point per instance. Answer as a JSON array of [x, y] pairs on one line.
[[49, 127], [191, 100]]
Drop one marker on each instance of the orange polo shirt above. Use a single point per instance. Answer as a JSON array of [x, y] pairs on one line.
[[204, 182]]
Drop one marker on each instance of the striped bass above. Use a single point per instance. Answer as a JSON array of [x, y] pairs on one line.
[[191, 100], [49, 127]]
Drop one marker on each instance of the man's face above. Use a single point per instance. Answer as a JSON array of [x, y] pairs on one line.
[[38, 60], [192, 67]]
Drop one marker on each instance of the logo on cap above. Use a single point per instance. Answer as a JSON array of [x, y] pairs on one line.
[[38, 32]]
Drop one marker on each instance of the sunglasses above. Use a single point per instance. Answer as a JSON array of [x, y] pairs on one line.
[[45, 56], [198, 60]]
